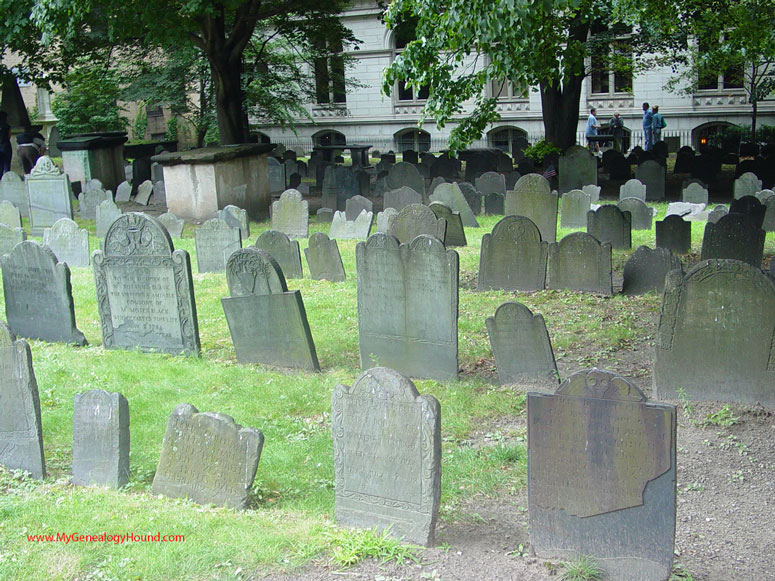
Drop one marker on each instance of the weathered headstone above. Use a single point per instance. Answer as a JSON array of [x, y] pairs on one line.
[[734, 236], [652, 174], [451, 195], [324, 215], [236, 217], [290, 214], [145, 294], [408, 305], [106, 214], [10, 215], [716, 334], [344, 229], [513, 257], [395, 482], [646, 269], [123, 192], [717, 213], [446, 167], [769, 215], [208, 458], [435, 182], [144, 191], [10, 237], [632, 189], [602, 476], [750, 207], [688, 211], [89, 200], [385, 219], [159, 193], [641, 215], [68, 242], [284, 250], [747, 185], [93, 184], [215, 242], [473, 197], [173, 224], [268, 323], [49, 195], [100, 439], [346, 186], [694, 194], [594, 193], [402, 197], [38, 295], [491, 183], [355, 205], [674, 234], [328, 187], [12, 189], [521, 346], [455, 234], [405, 174], [414, 220], [578, 168], [276, 175], [21, 435], [575, 205], [532, 198], [580, 262], [410, 156], [323, 259], [609, 224]]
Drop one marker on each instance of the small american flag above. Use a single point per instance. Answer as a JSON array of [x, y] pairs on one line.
[[550, 172]]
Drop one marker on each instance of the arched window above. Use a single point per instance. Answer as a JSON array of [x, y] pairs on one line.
[[508, 139], [329, 137], [415, 139], [716, 134]]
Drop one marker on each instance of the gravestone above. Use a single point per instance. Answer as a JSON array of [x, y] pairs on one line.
[[395, 483], [451, 195], [89, 200], [632, 189], [410, 156], [472, 196], [434, 183], [236, 218], [344, 229], [294, 181], [324, 215], [521, 346], [284, 250], [10, 215], [717, 213], [575, 205], [594, 193], [417, 219], [290, 168], [362, 181], [402, 197], [328, 187], [49, 195], [491, 183], [323, 259], [356, 205], [616, 165], [93, 184], [609, 224], [602, 476], [747, 185], [346, 186], [577, 168], [750, 207], [652, 174], [580, 262], [290, 214], [640, 214], [646, 268], [532, 198], [513, 256], [38, 295], [716, 334], [215, 242], [385, 220], [173, 224], [276, 175], [512, 179], [10, 237], [769, 215], [694, 194], [405, 174], [268, 323], [68, 242], [455, 234], [144, 191], [145, 294], [446, 167], [21, 435], [100, 439], [207, 458], [684, 160], [408, 305], [674, 234], [13, 189], [734, 236], [106, 214], [688, 211], [123, 192], [159, 193]]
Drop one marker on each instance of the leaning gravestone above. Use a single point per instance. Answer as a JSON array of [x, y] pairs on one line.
[[405, 174], [68, 242], [513, 257], [646, 269], [100, 439], [602, 476], [521, 346], [716, 334], [344, 229], [106, 214], [173, 224], [38, 295], [10, 237], [284, 250], [694, 193], [609, 224], [747, 185], [474, 198], [455, 234], [532, 198], [268, 324], [10, 215], [385, 219], [290, 214], [207, 458], [355, 205], [21, 435], [408, 305], [734, 236], [123, 192], [674, 234], [580, 262], [89, 200], [215, 242], [236, 217], [641, 215], [395, 484], [401, 198], [578, 168], [434, 183], [323, 259], [652, 174], [144, 191], [12, 189], [145, 294], [632, 189], [417, 219], [450, 195], [49, 195], [575, 205]]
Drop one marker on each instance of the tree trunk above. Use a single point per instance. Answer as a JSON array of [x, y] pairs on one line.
[[561, 111], [227, 82]]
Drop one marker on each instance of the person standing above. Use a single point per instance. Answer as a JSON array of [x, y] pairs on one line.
[[616, 129], [591, 130], [648, 117], [31, 146], [657, 124], [6, 150]]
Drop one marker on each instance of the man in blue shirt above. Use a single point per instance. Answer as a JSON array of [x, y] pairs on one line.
[[648, 116], [591, 129]]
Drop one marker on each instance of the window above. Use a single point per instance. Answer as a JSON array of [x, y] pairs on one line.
[[612, 70], [509, 140], [405, 33], [329, 73], [711, 80], [502, 89], [414, 139]]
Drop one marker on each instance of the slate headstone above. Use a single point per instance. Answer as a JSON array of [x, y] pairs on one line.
[[410, 156], [323, 259], [68, 242], [173, 224], [513, 256], [49, 195], [451, 195], [641, 214], [290, 214], [750, 207], [609, 224], [10, 215], [346, 186], [717, 213], [632, 189], [695, 194], [402, 197], [159, 193], [215, 242], [652, 174], [688, 211], [616, 165], [734, 236], [414, 220], [89, 200], [405, 174], [594, 193], [472, 196], [580, 262], [575, 205], [106, 214], [123, 192], [385, 219], [532, 198], [284, 250], [356, 205], [12, 189], [324, 216], [455, 234], [446, 167], [10, 237], [747, 185], [646, 269], [491, 183], [276, 175], [344, 229], [674, 234], [328, 188], [144, 191], [577, 168], [236, 217]]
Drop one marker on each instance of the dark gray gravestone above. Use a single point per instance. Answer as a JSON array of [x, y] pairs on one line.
[[10, 237], [405, 174], [580, 262], [159, 193], [387, 455], [494, 204], [294, 180], [716, 334], [268, 324], [632, 189], [675, 234], [208, 458], [575, 205], [491, 183], [717, 213], [123, 192], [144, 191], [455, 234], [695, 193], [173, 224], [346, 186], [602, 476], [472, 196], [89, 200], [750, 207], [451, 195], [616, 165], [446, 167], [513, 257], [325, 215], [145, 294], [106, 214], [12, 189], [521, 345], [236, 217], [609, 224], [646, 269], [215, 241], [38, 295], [641, 215], [532, 198], [385, 219], [747, 185], [276, 175], [652, 174], [512, 179], [100, 439], [578, 168], [344, 229], [323, 259], [10, 215], [363, 182], [769, 215], [408, 305], [21, 435], [410, 156], [290, 214], [49, 195], [734, 236], [414, 220], [68, 242], [328, 187], [401, 198], [284, 250], [356, 205]]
